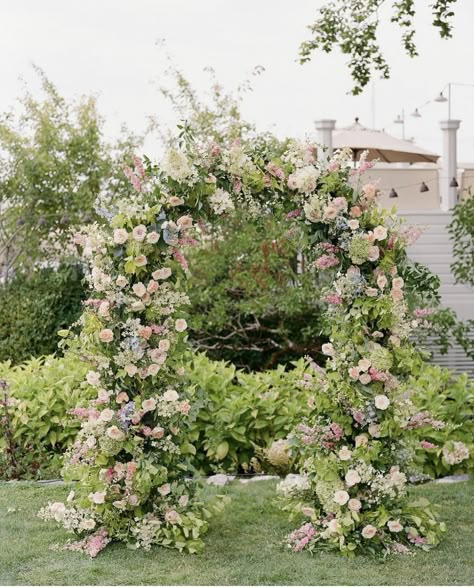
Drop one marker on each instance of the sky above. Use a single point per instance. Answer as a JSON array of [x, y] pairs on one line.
[[119, 50]]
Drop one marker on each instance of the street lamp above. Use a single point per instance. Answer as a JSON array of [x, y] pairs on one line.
[[400, 120], [442, 98]]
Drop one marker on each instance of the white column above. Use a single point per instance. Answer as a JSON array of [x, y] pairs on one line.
[[325, 128], [448, 171]]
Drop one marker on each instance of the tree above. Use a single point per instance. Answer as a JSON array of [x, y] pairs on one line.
[[218, 119], [352, 25], [54, 162]]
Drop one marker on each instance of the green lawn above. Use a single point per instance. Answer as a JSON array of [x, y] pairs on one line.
[[244, 546]]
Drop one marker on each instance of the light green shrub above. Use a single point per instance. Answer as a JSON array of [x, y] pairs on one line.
[[449, 399], [241, 414], [40, 393]]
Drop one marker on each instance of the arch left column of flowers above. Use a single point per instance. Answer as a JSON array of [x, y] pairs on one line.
[[131, 456]]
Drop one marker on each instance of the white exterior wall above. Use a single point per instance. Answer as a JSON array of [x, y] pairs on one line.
[[434, 250]]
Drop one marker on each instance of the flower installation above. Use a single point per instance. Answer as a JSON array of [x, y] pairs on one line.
[[131, 459]]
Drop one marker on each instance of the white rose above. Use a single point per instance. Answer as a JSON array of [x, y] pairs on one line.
[[361, 440], [397, 283], [374, 430], [152, 237], [161, 274], [374, 253], [341, 497], [149, 404], [164, 345], [344, 454], [380, 233], [365, 379], [181, 325], [97, 497], [354, 505], [139, 233], [120, 236], [170, 396], [164, 490], [115, 433], [352, 478], [107, 415], [353, 224], [121, 281], [88, 524], [395, 526], [381, 401], [328, 349], [368, 532], [93, 378], [139, 289], [364, 364], [381, 282]]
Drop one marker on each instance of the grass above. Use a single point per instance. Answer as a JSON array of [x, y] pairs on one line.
[[244, 546]]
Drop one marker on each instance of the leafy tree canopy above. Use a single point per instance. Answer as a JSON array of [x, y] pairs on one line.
[[353, 26]]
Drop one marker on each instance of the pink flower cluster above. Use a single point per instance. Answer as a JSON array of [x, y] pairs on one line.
[[134, 177], [427, 445], [179, 257], [325, 435], [422, 312], [333, 299], [326, 262], [91, 545], [422, 419], [328, 247], [299, 538], [294, 213], [275, 171]]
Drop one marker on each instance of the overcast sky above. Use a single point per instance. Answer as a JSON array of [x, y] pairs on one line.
[[109, 48]]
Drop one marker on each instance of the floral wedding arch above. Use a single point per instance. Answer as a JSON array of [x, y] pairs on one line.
[[131, 456]]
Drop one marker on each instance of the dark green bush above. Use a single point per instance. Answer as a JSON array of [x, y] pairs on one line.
[[34, 306], [250, 305]]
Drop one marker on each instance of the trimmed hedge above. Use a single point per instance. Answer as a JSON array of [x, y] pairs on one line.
[[34, 306]]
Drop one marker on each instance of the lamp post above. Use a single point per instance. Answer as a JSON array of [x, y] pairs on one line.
[[400, 120]]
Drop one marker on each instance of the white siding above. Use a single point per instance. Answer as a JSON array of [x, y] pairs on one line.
[[434, 250]]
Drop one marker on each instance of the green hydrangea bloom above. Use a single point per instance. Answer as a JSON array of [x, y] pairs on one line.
[[359, 250]]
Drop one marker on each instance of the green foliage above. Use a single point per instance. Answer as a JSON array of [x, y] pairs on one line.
[[239, 414], [250, 305], [451, 400], [352, 25], [54, 163], [462, 234], [217, 119], [40, 393], [34, 307]]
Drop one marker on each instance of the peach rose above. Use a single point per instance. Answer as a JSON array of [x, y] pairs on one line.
[[140, 261], [162, 274], [180, 325], [139, 289], [368, 532], [106, 335]]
